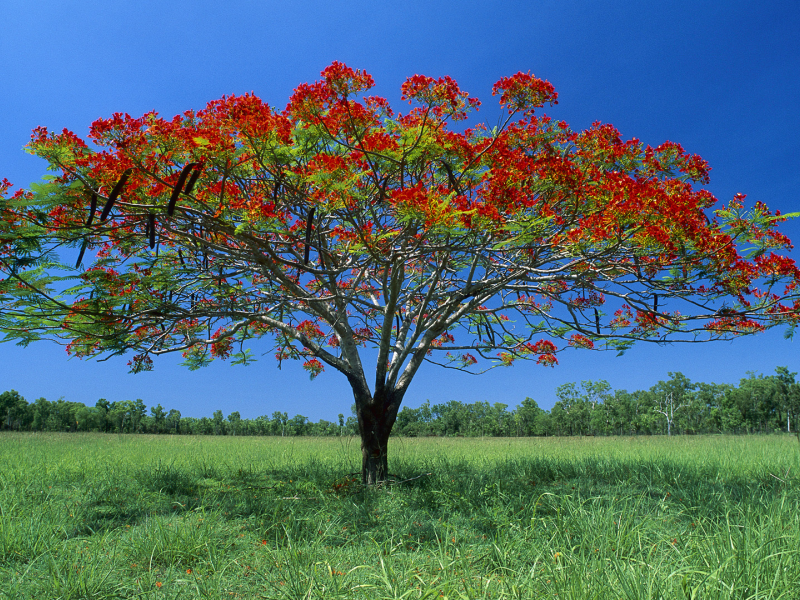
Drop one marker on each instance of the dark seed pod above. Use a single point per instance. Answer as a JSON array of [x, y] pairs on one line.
[[92, 209], [180, 256], [80, 255], [192, 180], [176, 191], [114, 193], [319, 242], [655, 302], [597, 321], [451, 178], [638, 268], [151, 226], [308, 234]]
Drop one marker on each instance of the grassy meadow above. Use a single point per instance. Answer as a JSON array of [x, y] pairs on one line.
[[136, 516]]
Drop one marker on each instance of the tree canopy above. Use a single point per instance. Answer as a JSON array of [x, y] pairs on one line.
[[338, 223]]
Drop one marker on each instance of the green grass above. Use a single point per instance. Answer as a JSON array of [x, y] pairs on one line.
[[106, 516]]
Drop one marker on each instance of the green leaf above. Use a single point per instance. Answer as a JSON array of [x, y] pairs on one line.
[[243, 358]]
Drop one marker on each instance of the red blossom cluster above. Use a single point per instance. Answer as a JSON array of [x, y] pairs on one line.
[[524, 92], [570, 211]]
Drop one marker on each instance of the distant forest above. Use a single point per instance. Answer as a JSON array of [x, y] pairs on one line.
[[759, 404]]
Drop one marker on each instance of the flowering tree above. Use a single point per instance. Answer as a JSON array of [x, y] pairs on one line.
[[338, 224]]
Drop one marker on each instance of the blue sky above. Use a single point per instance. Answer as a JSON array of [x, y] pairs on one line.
[[720, 78]]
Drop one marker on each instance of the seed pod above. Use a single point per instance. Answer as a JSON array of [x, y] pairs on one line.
[[80, 255], [92, 209], [597, 321], [451, 178], [192, 180], [655, 302], [151, 226], [176, 191], [308, 234], [638, 268], [276, 190], [180, 255], [319, 243], [114, 193]]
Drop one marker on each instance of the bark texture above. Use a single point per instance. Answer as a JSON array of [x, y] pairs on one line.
[[376, 417]]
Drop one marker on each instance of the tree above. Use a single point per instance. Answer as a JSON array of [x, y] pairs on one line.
[[759, 402], [786, 386], [667, 407], [159, 418], [530, 416], [13, 409], [41, 412], [298, 425], [219, 422], [173, 420], [672, 396], [138, 412], [280, 419], [235, 423], [103, 406], [337, 224]]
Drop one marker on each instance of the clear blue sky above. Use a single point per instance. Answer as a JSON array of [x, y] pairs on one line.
[[721, 78]]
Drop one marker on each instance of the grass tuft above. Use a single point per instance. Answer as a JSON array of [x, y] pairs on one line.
[[107, 516]]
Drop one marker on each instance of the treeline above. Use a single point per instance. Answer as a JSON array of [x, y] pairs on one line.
[[759, 404]]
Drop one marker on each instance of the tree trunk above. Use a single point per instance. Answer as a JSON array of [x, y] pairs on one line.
[[374, 457], [376, 416]]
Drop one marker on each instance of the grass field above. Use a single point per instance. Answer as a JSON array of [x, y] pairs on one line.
[[107, 516]]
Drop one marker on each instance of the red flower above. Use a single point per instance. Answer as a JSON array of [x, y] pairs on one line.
[[525, 92]]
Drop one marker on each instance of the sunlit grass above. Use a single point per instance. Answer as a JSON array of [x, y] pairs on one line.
[[107, 516]]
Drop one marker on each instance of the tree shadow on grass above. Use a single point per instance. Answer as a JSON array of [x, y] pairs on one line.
[[298, 503]]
